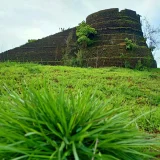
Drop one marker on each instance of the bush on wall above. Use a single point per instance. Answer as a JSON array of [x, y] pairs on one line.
[[31, 40], [85, 33], [130, 45]]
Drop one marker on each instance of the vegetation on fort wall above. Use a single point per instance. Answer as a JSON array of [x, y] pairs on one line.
[[74, 52], [85, 34], [32, 40], [130, 45]]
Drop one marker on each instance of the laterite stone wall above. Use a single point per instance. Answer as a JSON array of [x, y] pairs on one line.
[[109, 48], [48, 50]]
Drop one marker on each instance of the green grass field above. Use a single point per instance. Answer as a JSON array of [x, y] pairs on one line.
[[64, 113], [136, 91]]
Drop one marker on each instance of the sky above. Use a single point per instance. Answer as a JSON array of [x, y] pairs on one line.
[[21, 20]]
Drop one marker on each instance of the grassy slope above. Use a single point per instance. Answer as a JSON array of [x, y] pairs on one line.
[[137, 91]]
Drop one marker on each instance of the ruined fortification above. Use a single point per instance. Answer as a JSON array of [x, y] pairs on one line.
[[109, 48]]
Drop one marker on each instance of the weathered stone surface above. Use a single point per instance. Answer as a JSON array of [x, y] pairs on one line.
[[109, 48], [113, 27]]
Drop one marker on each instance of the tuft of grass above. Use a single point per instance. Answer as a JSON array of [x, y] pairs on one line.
[[43, 124]]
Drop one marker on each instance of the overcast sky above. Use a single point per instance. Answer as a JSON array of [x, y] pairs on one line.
[[21, 20]]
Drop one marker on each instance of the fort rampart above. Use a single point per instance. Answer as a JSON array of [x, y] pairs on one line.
[[109, 48]]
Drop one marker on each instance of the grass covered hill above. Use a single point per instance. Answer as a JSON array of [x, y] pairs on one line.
[[64, 113], [136, 91]]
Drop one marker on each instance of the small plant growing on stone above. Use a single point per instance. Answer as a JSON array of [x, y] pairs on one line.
[[139, 66], [31, 40], [130, 45], [127, 64], [85, 34], [122, 55]]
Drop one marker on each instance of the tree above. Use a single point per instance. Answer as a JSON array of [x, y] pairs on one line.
[[85, 34], [151, 34]]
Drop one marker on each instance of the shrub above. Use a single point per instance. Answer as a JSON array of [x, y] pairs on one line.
[[79, 58], [46, 125], [85, 33], [141, 66], [127, 64], [67, 60], [130, 45]]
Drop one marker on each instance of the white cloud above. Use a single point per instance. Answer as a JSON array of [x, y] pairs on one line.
[[32, 33]]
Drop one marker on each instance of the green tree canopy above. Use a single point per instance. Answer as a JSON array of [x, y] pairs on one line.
[[84, 33]]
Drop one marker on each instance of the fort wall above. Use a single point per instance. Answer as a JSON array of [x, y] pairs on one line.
[[113, 27], [109, 48]]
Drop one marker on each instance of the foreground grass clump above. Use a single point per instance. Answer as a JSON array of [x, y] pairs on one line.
[[42, 124]]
